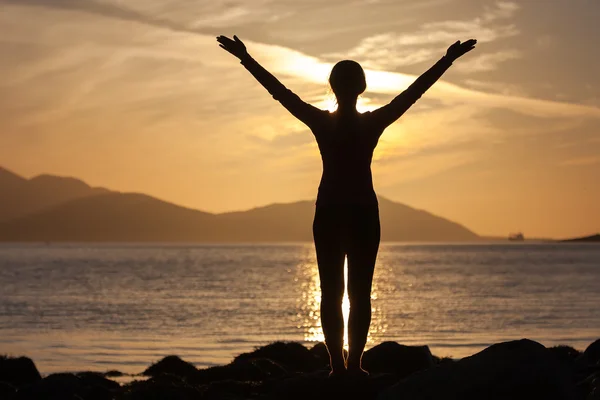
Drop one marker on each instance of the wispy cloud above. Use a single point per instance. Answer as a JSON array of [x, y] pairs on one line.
[[505, 88], [581, 161], [192, 17], [487, 62], [501, 10], [159, 69], [393, 50], [104, 9], [386, 50], [312, 70]]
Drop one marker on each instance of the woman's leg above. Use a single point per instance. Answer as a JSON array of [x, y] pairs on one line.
[[330, 259], [362, 250]]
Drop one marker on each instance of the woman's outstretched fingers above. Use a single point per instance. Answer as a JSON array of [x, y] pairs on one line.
[[470, 44], [235, 47], [459, 49]]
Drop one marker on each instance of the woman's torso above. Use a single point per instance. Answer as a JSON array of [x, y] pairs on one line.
[[346, 143]]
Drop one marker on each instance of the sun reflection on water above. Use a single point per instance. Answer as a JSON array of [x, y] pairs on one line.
[[310, 308]]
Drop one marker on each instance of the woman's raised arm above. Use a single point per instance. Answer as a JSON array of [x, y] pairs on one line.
[[305, 112], [389, 113]]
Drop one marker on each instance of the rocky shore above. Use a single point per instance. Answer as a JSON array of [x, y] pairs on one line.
[[522, 369]]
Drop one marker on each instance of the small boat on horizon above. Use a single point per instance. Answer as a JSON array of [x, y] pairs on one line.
[[516, 237]]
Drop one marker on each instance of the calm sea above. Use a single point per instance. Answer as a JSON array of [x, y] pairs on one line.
[[99, 307]]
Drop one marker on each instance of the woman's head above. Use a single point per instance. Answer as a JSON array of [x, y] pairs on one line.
[[347, 79]]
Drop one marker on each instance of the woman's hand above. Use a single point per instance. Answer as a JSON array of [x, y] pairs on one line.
[[459, 49], [235, 47]]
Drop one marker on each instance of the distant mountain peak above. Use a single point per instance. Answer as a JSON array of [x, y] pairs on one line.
[[21, 196], [52, 208], [47, 179], [5, 174]]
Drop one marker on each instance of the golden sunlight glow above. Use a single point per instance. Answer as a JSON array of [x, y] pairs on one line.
[[387, 82], [285, 61], [310, 305], [362, 105], [194, 114], [329, 103], [346, 303]]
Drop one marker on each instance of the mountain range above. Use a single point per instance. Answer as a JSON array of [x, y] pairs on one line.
[[51, 208]]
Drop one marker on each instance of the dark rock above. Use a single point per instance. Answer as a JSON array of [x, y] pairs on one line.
[[589, 386], [232, 390], [446, 360], [395, 358], [292, 356], [592, 353], [97, 380], [594, 393], [441, 360], [565, 354], [269, 369], [113, 374], [259, 369], [67, 386], [241, 369], [18, 371], [85, 385], [383, 381], [589, 361], [163, 387], [172, 365], [318, 386], [7, 391], [517, 370], [319, 351]]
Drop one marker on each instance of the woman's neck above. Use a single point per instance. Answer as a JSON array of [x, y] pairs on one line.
[[347, 107]]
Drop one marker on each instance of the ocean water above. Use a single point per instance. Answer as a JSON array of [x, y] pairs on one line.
[[76, 307]]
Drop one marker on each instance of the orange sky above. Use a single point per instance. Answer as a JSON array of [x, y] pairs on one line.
[[137, 96]]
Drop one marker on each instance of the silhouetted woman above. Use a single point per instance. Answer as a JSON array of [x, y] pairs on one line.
[[346, 219]]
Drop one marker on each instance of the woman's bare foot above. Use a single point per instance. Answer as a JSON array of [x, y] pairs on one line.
[[338, 364], [338, 367], [357, 371], [339, 372]]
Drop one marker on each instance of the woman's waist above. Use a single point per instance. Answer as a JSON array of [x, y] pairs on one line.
[[341, 195]]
